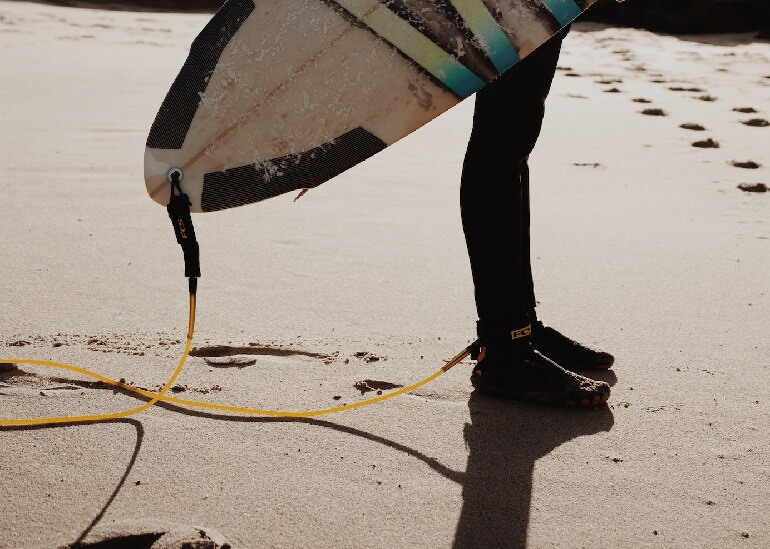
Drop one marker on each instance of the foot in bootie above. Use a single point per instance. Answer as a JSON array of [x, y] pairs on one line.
[[566, 352], [517, 371]]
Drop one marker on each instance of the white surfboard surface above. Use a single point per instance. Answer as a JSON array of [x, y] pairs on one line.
[[281, 95]]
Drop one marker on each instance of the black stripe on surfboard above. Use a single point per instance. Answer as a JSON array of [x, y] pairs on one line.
[[178, 109], [345, 14], [445, 29], [585, 4], [254, 183], [544, 14]]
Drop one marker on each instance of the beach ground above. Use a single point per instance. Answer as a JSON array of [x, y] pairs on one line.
[[643, 245]]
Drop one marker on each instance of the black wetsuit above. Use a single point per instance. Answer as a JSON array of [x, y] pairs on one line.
[[494, 196]]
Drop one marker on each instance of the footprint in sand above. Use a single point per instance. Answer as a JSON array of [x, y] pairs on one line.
[[613, 90], [235, 361], [753, 187], [692, 126], [133, 344], [14, 380], [707, 98], [369, 357], [641, 100], [706, 144], [137, 535], [229, 356], [745, 110], [747, 165], [756, 123], [8, 370], [654, 112], [683, 89], [369, 385]]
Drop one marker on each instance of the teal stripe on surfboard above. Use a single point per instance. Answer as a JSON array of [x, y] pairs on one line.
[[493, 40], [564, 11], [415, 45]]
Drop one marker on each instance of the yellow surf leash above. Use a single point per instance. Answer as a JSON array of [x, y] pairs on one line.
[[154, 397], [179, 213], [161, 396]]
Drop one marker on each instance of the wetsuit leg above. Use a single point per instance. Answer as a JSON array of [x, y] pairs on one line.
[[494, 194]]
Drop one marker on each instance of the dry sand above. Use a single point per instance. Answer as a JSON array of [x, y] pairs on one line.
[[644, 246]]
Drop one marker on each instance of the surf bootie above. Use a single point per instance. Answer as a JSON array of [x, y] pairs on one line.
[[566, 352], [517, 371]]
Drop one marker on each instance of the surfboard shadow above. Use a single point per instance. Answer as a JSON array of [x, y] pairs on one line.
[[504, 440], [137, 425]]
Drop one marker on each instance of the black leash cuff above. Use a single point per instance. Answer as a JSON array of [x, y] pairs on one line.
[[179, 212]]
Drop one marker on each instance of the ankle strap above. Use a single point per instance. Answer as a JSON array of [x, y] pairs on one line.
[[475, 348], [521, 333], [501, 334]]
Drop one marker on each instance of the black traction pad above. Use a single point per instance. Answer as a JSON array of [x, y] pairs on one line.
[[178, 109], [257, 182]]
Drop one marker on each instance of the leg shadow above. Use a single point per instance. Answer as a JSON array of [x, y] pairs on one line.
[[504, 440]]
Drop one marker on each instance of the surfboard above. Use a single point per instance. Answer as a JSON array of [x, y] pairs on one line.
[[282, 95]]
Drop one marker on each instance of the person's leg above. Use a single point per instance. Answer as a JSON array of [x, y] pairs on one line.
[[506, 124], [566, 352], [528, 288], [561, 349], [494, 203]]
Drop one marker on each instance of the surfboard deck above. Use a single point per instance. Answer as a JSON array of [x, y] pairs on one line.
[[282, 95]]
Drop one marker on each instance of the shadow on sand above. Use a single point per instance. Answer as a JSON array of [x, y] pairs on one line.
[[504, 440]]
